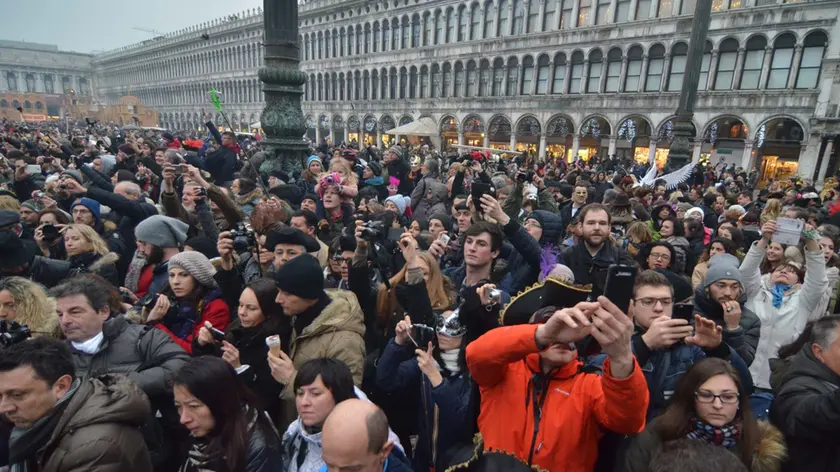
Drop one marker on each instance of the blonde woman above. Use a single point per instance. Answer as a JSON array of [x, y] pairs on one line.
[[88, 253], [25, 302]]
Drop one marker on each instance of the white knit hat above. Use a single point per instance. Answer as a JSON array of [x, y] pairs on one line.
[[197, 265]]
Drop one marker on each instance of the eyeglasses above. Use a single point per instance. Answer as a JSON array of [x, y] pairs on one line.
[[345, 260], [532, 224], [650, 301], [728, 398], [661, 257]]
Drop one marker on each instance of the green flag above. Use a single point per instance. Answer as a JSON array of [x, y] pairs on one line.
[[214, 98]]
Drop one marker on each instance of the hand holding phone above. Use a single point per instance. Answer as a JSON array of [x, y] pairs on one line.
[[619, 286]]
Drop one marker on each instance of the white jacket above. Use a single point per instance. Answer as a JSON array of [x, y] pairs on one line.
[[780, 325]]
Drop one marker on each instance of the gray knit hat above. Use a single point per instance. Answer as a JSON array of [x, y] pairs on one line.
[[197, 265], [723, 267], [162, 231]]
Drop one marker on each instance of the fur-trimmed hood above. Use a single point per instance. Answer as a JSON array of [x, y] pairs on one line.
[[771, 451]]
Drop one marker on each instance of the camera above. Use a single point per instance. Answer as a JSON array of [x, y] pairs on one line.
[[201, 192], [50, 232], [495, 296], [62, 186], [373, 230], [525, 176], [12, 332], [140, 177], [40, 195], [330, 180], [243, 237]]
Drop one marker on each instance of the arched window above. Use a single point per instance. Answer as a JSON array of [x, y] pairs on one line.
[[634, 69], [327, 87], [504, 27], [459, 79], [548, 23], [613, 70], [403, 82], [577, 72], [782, 59], [368, 37], [336, 85], [462, 23], [812, 56], [450, 25], [512, 76], [447, 80], [374, 85], [306, 47], [727, 56], [320, 46], [559, 73], [471, 80], [376, 36], [679, 54], [342, 41], [366, 87], [596, 64], [326, 47], [424, 82], [602, 15], [656, 62], [436, 81], [643, 9], [357, 86], [350, 41], [533, 8], [392, 84], [427, 29], [320, 88], [483, 78], [527, 75], [498, 76], [415, 30], [567, 20], [542, 75], [439, 23], [622, 10], [664, 9], [703, 84], [395, 33], [386, 35], [335, 43], [406, 33], [489, 20], [753, 63], [412, 83], [584, 12], [518, 16], [475, 22]]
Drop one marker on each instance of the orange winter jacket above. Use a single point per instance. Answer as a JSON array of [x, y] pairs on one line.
[[577, 410]]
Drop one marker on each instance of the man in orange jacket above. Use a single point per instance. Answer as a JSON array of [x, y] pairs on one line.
[[535, 401]]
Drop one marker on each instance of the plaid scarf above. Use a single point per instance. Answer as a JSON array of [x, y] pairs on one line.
[[726, 436]]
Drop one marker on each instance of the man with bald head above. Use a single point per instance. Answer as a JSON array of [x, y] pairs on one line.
[[355, 438]]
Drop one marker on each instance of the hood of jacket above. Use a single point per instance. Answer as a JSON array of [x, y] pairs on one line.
[[552, 227], [253, 197], [105, 399], [678, 241], [771, 451], [437, 190], [711, 309], [342, 314]]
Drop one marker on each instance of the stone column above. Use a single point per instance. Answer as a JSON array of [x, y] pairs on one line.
[[622, 77], [739, 69], [39, 83], [613, 141], [746, 157], [575, 146], [503, 92], [318, 133], [676, 7], [794, 71], [513, 140], [486, 141], [611, 19], [666, 68], [808, 157], [575, 11], [602, 84], [378, 137], [765, 67], [652, 152], [541, 14], [585, 78], [713, 65], [460, 138], [549, 89], [567, 79], [633, 5], [829, 147], [654, 6], [541, 155], [643, 74]]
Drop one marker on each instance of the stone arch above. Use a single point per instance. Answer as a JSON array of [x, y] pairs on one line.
[[587, 129], [528, 125], [770, 127], [729, 120], [473, 123]]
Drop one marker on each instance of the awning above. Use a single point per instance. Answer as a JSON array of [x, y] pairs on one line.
[[425, 126]]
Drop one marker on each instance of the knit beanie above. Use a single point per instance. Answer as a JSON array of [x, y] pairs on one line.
[[401, 201], [301, 276], [127, 149], [32, 205], [723, 267], [375, 168], [162, 231], [73, 174], [695, 212], [197, 265], [312, 159], [92, 205], [683, 207], [444, 219]]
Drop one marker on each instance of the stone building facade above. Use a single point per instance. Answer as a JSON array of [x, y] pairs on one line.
[[42, 80], [578, 77]]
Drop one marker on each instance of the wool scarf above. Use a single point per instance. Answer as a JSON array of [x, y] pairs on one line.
[[726, 436], [778, 292]]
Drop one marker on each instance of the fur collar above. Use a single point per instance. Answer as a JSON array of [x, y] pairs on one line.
[[771, 450], [249, 197]]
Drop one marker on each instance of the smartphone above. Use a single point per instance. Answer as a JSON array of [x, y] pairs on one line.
[[394, 234], [33, 169], [619, 286], [683, 311], [217, 334], [478, 189], [444, 238]]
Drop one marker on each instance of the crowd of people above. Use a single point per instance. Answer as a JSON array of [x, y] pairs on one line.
[[167, 306]]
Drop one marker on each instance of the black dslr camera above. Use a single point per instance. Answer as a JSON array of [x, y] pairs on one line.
[[12, 332], [373, 230], [50, 232], [243, 237]]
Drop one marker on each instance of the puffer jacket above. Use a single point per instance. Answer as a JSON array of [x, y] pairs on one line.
[[807, 410], [428, 198], [744, 339], [125, 347], [264, 453], [103, 266], [828, 301], [48, 272], [784, 324], [768, 456], [99, 430]]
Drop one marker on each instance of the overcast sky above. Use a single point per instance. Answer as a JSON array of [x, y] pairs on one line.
[[96, 25]]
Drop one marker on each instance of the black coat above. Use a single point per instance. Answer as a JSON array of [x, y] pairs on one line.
[[593, 270], [807, 410], [399, 168], [743, 340]]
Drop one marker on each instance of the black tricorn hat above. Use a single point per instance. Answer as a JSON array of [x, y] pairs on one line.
[[550, 292], [473, 458]]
